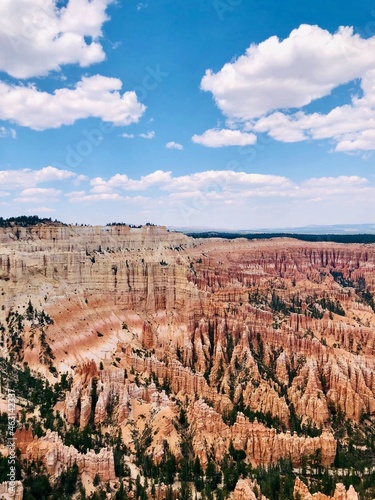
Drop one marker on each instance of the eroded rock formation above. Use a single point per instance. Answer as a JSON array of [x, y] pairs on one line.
[[10, 491], [301, 491], [262, 445], [247, 490], [56, 457], [262, 343]]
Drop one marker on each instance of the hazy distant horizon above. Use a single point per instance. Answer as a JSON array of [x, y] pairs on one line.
[[311, 229], [366, 228]]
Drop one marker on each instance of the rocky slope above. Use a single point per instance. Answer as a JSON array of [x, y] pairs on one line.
[[175, 347]]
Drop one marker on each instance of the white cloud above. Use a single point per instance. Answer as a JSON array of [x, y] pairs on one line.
[[359, 141], [212, 197], [174, 145], [122, 181], [157, 178], [351, 126], [38, 36], [148, 135], [290, 73], [224, 180], [36, 195], [230, 199], [7, 132], [341, 181], [216, 138], [281, 127], [79, 178], [95, 96], [214, 180], [209, 180], [23, 178], [83, 197], [41, 210], [141, 6], [260, 91], [48, 174], [227, 186]]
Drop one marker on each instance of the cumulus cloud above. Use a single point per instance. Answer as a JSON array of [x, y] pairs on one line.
[[148, 135], [127, 136], [225, 186], [221, 181], [36, 195], [122, 181], [340, 181], [226, 198], [84, 197], [7, 132], [24, 178], [358, 141], [216, 138], [174, 145], [224, 180], [95, 96], [260, 91], [290, 73], [40, 36], [209, 180], [351, 126]]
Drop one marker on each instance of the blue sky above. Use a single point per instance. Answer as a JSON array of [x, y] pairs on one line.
[[216, 113]]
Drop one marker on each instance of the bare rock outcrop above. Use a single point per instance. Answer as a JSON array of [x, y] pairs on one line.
[[302, 492], [11, 491], [262, 445], [56, 457], [247, 490]]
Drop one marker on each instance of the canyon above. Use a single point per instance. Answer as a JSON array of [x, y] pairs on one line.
[[162, 352]]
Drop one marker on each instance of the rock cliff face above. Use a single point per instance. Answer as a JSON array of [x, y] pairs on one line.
[[266, 346]]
